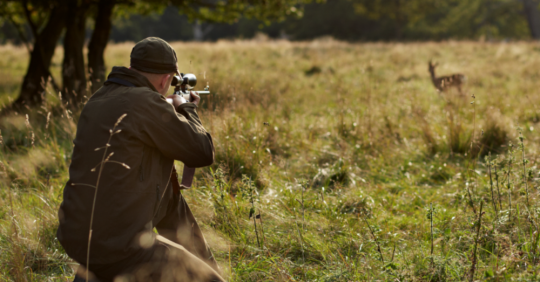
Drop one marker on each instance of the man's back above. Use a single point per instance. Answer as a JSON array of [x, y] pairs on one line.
[[134, 179]]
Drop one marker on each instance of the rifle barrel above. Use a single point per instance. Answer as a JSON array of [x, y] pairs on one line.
[[202, 92]]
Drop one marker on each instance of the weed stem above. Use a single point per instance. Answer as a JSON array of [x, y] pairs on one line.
[[524, 168], [95, 193], [479, 223], [374, 238], [491, 185], [253, 213], [498, 190]]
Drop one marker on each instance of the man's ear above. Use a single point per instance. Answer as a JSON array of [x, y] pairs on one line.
[[164, 81]]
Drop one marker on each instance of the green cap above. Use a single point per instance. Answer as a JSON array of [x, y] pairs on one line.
[[153, 55]]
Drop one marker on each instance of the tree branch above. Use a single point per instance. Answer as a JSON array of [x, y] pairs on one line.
[[19, 31], [29, 20], [36, 43]]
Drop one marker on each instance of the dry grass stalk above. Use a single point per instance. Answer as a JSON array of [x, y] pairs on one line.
[[48, 120], [498, 190], [252, 211], [101, 165], [491, 185], [509, 186], [431, 229], [524, 161], [474, 256], [374, 237]]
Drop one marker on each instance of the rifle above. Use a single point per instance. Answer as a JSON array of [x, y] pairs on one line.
[[183, 84]]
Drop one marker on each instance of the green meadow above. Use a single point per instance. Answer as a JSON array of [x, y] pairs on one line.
[[334, 162]]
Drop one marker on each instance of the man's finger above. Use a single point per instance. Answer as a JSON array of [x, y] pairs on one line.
[[195, 97]]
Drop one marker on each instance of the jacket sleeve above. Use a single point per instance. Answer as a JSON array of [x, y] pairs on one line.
[[178, 135]]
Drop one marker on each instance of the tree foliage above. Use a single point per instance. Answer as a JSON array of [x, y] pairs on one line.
[[448, 19], [47, 17], [350, 20], [40, 23]]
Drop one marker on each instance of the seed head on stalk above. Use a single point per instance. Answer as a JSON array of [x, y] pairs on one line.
[[104, 160], [524, 161]]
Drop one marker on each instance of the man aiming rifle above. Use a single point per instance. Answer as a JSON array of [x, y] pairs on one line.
[[137, 189]]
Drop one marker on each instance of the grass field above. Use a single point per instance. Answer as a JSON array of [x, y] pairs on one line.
[[359, 168]]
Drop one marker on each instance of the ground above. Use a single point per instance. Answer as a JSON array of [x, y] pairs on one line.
[[352, 164]]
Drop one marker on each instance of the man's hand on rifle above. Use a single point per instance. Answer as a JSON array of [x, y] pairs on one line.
[[178, 100], [195, 98]]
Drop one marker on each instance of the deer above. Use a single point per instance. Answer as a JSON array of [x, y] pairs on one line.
[[443, 83]]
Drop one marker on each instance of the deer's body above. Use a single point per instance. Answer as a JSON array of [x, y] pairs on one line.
[[443, 83]]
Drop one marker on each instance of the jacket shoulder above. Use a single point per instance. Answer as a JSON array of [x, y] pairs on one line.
[[143, 93], [145, 96]]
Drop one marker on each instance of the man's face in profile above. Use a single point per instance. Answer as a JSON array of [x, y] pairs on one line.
[[168, 83]]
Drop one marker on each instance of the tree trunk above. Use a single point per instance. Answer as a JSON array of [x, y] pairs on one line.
[[533, 17], [98, 42], [37, 73], [73, 70], [198, 34], [400, 20]]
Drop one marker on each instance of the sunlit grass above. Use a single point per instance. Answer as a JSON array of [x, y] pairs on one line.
[[360, 125]]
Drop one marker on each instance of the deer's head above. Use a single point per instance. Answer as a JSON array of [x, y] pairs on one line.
[[432, 66]]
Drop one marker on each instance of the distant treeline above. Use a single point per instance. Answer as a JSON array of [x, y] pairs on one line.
[[352, 20]]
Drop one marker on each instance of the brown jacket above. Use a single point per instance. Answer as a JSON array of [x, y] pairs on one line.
[[129, 201]]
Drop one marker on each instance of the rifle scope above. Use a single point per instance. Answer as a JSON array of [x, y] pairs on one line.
[[184, 82]]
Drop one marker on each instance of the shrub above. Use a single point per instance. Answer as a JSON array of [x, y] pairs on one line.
[[495, 134]]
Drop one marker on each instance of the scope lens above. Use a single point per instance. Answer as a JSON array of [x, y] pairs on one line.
[[176, 79], [190, 79]]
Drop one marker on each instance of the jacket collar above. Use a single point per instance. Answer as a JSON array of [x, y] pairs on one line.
[[132, 76]]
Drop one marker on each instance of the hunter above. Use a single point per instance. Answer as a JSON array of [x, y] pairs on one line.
[[138, 191]]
